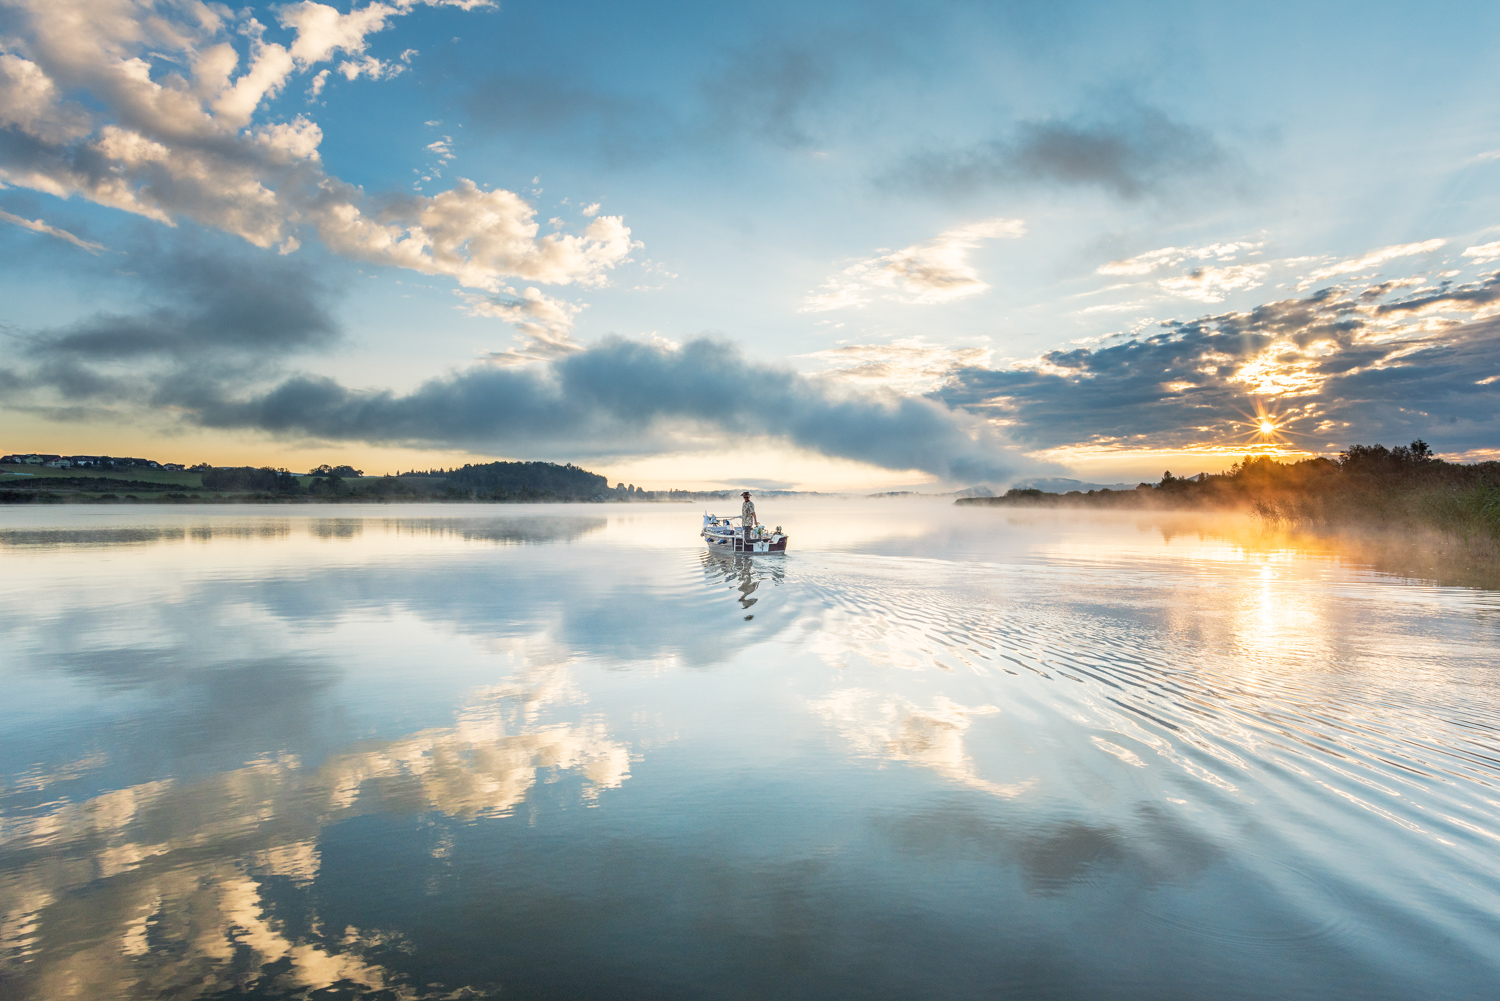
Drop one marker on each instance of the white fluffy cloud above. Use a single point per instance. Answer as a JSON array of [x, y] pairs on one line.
[[150, 107], [937, 271]]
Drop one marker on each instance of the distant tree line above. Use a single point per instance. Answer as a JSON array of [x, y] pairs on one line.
[[1365, 483], [526, 481], [489, 481], [248, 479]]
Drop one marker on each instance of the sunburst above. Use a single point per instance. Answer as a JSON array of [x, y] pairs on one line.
[[1268, 430]]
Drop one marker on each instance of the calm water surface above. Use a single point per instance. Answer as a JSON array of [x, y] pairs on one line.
[[560, 752]]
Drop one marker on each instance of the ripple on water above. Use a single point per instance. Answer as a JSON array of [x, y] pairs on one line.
[[1408, 749]]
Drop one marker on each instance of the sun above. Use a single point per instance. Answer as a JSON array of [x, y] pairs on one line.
[[1268, 429]]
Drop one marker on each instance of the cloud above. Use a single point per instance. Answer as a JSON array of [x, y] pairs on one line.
[[1210, 284], [1338, 365], [85, 111], [209, 346], [766, 90], [1484, 253], [479, 237], [625, 397], [937, 271], [1373, 259], [322, 30], [38, 226], [1205, 282], [1171, 257], [213, 315], [545, 322], [1134, 152], [909, 365], [544, 101]]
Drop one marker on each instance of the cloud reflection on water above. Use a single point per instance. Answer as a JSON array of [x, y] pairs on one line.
[[878, 726], [166, 880], [934, 711]]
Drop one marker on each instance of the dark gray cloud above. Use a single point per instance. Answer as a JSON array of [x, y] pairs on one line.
[[771, 89], [1339, 368], [1131, 152], [620, 127], [622, 397], [204, 298], [210, 312], [218, 324]]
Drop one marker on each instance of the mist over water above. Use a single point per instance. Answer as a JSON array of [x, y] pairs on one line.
[[559, 751]]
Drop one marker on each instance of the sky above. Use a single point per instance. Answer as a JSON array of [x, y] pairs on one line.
[[823, 246]]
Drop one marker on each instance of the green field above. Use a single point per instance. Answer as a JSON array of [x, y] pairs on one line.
[[23, 483], [172, 477]]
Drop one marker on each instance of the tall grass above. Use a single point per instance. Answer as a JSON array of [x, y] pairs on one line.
[[1400, 493]]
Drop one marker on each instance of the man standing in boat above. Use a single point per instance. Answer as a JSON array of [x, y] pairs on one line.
[[747, 514]]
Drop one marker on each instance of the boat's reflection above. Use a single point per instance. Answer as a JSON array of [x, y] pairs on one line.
[[747, 573]]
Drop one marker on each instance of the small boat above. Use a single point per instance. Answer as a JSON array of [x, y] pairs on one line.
[[728, 535]]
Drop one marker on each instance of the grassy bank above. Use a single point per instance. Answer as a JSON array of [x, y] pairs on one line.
[[1368, 486], [43, 485]]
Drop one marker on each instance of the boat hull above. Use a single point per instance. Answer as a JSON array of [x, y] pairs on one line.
[[738, 544]]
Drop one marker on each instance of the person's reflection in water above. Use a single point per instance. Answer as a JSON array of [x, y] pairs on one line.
[[744, 572], [748, 584]]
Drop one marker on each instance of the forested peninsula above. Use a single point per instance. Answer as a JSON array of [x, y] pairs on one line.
[[105, 480], [1366, 484]]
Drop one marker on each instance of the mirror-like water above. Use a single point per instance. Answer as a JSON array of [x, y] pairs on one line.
[[560, 751]]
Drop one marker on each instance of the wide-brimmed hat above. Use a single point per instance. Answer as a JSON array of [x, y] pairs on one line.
[[745, 494]]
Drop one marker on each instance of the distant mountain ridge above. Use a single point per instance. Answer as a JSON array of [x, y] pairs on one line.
[[1061, 485]]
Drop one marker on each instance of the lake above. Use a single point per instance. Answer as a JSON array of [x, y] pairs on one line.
[[559, 751]]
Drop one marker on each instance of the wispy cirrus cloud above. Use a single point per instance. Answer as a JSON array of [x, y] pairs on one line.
[[908, 365], [1211, 273], [1211, 281], [39, 226], [1171, 257], [1484, 253], [1213, 284], [545, 323], [1374, 258], [936, 271]]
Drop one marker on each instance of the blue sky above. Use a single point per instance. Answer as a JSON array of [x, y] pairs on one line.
[[824, 245]]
